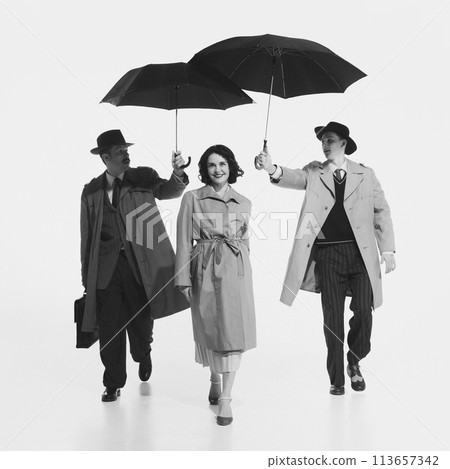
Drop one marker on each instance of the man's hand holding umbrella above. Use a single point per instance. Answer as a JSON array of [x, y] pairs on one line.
[[178, 163], [264, 161]]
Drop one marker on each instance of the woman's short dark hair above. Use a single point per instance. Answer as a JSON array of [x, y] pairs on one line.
[[226, 154]]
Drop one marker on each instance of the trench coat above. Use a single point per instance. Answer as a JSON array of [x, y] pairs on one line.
[[367, 211], [156, 262], [217, 267]]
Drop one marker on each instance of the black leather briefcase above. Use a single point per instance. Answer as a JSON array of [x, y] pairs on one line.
[[84, 339]]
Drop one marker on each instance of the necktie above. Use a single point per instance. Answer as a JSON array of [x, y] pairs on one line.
[[116, 191], [339, 173]]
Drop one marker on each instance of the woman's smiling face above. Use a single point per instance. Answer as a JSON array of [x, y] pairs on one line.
[[218, 170]]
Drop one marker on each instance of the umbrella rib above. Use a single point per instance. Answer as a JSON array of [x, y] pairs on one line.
[[242, 61], [216, 99], [326, 71], [125, 93], [282, 77]]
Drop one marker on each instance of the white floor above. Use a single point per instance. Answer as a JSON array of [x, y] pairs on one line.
[[50, 396]]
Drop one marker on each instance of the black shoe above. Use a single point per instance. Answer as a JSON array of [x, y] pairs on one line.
[[357, 380], [337, 390], [224, 421], [110, 394], [145, 368]]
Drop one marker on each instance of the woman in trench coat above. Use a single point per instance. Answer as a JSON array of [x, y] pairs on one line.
[[215, 272]]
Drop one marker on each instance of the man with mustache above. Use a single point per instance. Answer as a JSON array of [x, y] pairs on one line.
[[128, 280], [344, 219]]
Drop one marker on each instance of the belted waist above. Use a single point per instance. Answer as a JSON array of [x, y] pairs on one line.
[[234, 244]]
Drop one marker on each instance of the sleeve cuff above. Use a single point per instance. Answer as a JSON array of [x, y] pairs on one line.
[[181, 179], [277, 174]]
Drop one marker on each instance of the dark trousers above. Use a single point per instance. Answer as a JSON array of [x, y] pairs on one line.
[[341, 268], [117, 304]]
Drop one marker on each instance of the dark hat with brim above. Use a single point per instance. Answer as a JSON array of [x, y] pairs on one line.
[[108, 139], [341, 130]]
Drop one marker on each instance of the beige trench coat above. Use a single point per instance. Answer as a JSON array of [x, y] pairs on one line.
[[217, 267], [368, 213]]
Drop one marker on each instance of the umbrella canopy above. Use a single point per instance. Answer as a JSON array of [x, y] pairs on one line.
[[283, 66], [176, 86]]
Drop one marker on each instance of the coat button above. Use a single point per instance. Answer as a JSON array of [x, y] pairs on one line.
[[308, 245], [326, 208]]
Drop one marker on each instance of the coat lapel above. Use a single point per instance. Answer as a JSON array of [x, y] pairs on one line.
[[326, 175], [354, 178], [127, 184], [232, 194], [95, 190]]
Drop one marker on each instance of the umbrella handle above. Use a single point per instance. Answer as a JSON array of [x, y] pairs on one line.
[[187, 164], [257, 165]]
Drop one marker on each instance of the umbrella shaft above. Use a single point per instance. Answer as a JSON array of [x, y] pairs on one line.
[[176, 117], [176, 129], [268, 107]]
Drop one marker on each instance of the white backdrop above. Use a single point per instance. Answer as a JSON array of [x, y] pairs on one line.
[[60, 58]]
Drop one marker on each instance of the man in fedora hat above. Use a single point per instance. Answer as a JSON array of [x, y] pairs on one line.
[[343, 218], [128, 279]]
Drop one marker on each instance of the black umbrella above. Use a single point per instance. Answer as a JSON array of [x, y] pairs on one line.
[[176, 86], [283, 66]]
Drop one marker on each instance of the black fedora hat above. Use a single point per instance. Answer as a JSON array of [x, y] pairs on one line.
[[108, 139], [339, 129]]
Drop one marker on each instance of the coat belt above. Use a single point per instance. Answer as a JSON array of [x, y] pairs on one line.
[[234, 244]]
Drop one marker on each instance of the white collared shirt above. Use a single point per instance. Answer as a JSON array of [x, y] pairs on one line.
[[334, 167], [277, 173]]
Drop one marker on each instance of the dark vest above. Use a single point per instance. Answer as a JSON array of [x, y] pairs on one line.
[[336, 228], [112, 239]]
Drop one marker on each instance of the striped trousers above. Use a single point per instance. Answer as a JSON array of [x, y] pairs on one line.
[[341, 268]]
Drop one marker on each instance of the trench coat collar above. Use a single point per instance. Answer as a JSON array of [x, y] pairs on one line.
[[96, 184], [129, 180], [354, 177], [110, 178], [100, 183], [207, 192], [326, 174]]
